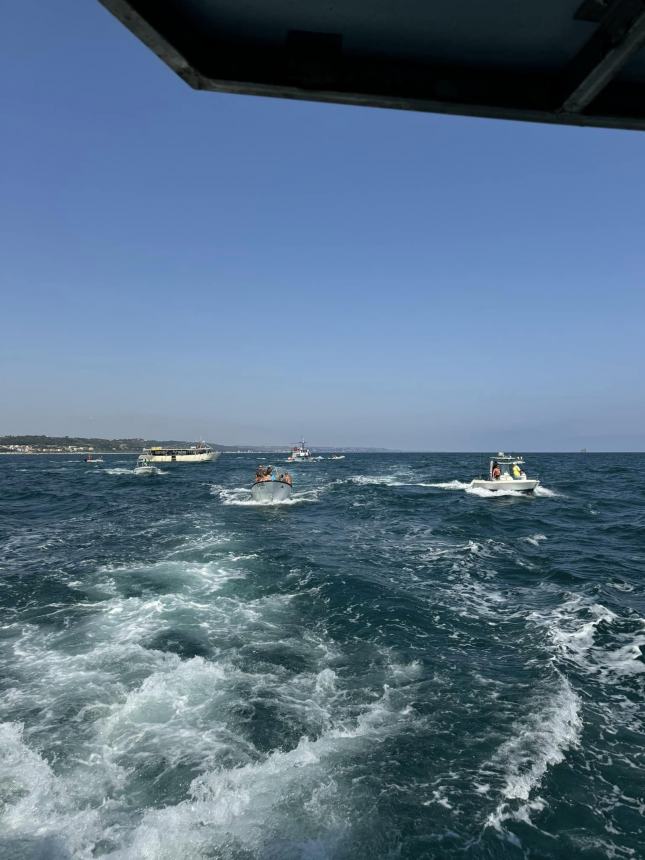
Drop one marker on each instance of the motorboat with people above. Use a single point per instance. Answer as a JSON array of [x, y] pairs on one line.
[[145, 466], [198, 453], [271, 486], [299, 454], [91, 459], [506, 472]]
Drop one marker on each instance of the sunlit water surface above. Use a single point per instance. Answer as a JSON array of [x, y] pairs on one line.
[[388, 666]]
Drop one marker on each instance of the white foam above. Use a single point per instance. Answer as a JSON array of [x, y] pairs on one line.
[[120, 471], [448, 485], [535, 539], [540, 741], [246, 802], [626, 660], [34, 802], [376, 480], [546, 492], [483, 493], [572, 626]]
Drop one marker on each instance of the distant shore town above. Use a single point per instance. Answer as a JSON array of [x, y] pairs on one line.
[[82, 445]]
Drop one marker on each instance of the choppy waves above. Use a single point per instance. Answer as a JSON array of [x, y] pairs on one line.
[[393, 671]]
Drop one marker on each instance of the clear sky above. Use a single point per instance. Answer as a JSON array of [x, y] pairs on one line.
[[186, 264]]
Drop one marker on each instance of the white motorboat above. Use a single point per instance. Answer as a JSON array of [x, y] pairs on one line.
[[199, 453], [145, 467], [505, 472], [90, 459], [337, 457], [299, 454], [269, 491]]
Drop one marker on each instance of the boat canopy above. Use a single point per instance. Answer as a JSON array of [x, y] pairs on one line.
[[200, 448], [507, 459]]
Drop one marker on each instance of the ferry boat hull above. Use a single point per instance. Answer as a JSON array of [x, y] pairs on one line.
[[185, 458], [165, 455], [270, 492]]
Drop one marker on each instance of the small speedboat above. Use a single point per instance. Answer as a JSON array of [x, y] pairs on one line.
[[337, 457], [145, 467], [269, 487], [505, 472], [90, 459]]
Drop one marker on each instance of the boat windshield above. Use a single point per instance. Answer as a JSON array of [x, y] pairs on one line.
[[501, 466]]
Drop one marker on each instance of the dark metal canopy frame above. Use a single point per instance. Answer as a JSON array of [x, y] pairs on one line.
[[558, 61]]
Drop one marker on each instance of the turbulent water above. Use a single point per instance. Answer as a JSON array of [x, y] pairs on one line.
[[387, 666]]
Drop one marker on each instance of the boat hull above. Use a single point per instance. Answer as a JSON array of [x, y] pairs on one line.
[[526, 485], [204, 457], [270, 492], [145, 470]]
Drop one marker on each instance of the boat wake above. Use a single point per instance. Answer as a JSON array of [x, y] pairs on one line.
[[164, 756], [449, 485], [535, 539], [118, 471], [376, 480], [540, 742]]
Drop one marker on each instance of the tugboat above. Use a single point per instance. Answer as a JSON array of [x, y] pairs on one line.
[[269, 487], [299, 454], [505, 472]]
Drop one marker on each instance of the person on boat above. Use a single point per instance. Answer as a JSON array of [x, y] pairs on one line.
[[516, 471], [496, 472], [259, 473], [287, 479]]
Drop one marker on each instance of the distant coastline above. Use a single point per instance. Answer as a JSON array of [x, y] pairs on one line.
[[41, 444]]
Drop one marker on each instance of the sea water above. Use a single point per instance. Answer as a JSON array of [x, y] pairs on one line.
[[387, 666]]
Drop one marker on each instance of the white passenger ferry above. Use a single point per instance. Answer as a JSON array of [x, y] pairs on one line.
[[199, 453]]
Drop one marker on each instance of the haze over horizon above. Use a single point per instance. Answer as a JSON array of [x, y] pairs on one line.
[[191, 265]]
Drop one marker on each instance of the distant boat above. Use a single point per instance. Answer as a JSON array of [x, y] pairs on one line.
[[299, 453], [505, 472], [337, 457], [90, 459], [199, 453], [144, 466]]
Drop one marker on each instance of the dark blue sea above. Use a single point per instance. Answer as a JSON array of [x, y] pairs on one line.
[[389, 666]]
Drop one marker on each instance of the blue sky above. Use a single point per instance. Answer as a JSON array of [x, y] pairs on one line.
[[186, 264]]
